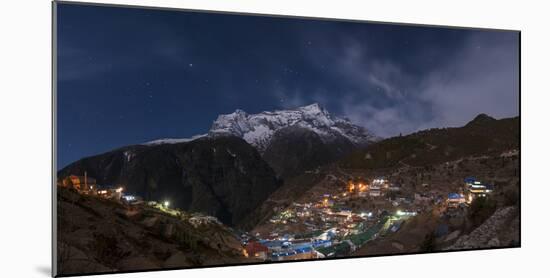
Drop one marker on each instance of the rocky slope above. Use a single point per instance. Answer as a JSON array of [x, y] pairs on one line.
[[500, 230], [223, 176], [482, 136], [96, 235]]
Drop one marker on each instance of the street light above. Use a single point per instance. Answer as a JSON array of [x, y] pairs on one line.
[[166, 204]]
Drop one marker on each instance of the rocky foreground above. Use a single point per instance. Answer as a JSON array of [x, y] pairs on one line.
[[96, 235], [500, 230]]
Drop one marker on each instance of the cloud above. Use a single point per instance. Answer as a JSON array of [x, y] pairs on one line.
[[479, 76], [484, 78]]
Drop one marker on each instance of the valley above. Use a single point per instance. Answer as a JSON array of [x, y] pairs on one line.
[[294, 185]]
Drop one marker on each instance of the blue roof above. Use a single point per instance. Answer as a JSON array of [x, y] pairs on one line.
[[293, 252], [320, 242], [454, 196], [469, 179], [303, 249], [271, 243]]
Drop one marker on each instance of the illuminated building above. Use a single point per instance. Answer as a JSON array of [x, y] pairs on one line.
[[110, 192], [454, 200], [84, 184], [476, 188]]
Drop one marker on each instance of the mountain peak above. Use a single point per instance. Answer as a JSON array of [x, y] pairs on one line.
[[258, 129], [312, 107], [481, 119]]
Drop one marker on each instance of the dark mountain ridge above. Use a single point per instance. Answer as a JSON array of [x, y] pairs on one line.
[[481, 136], [224, 177]]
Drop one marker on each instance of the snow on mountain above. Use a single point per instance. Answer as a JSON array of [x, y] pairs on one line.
[[258, 129], [174, 140]]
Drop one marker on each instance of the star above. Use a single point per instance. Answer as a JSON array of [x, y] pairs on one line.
[[190, 65]]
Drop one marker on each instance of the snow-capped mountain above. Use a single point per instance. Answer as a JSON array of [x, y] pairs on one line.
[[258, 129], [174, 140]]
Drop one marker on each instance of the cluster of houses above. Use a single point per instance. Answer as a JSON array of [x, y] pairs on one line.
[[88, 186], [317, 216], [287, 248], [327, 227], [330, 242], [455, 200], [376, 188], [473, 189]]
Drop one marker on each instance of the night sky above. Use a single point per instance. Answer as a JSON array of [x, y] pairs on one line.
[[128, 76]]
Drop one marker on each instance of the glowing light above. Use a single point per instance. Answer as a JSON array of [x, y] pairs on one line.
[[166, 203], [118, 190], [351, 187]]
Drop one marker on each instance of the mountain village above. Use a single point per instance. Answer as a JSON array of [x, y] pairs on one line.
[[324, 227]]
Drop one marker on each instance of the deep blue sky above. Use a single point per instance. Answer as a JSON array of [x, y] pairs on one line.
[[127, 76]]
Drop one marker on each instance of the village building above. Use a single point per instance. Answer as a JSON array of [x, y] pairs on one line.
[[255, 249], [476, 188], [375, 186], [297, 253], [455, 199], [357, 187], [395, 187], [131, 199], [337, 218], [110, 192], [469, 180], [83, 184], [380, 181], [375, 193], [421, 198], [273, 245]]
